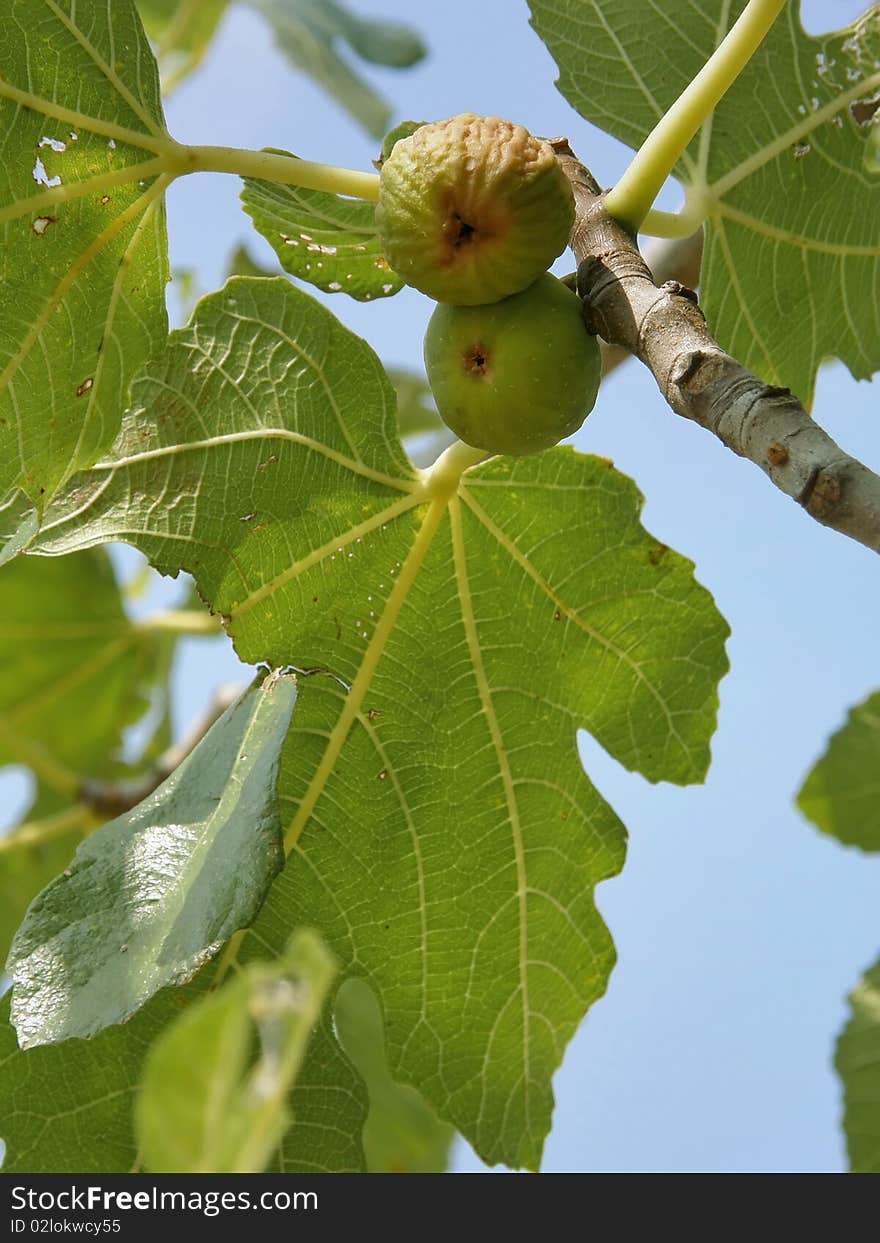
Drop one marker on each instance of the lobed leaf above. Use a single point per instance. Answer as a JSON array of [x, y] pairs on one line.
[[791, 261], [840, 794], [858, 1063], [445, 839], [83, 261], [327, 240], [206, 1105], [151, 896]]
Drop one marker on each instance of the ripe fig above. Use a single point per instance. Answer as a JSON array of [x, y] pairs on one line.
[[472, 209], [514, 376]]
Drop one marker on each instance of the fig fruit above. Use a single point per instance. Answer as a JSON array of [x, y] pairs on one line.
[[514, 376], [472, 209]]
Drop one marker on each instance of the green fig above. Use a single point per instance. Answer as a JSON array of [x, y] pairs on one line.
[[472, 209], [515, 376]]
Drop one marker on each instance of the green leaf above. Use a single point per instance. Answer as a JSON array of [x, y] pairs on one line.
[[26, 867], [446, 838], [840, 794], [83, 261], [74, 670], [242, 263], [206, 1105], [150, 896], [402, 1134], [70, 1107], [181, 32], [309, 31], [416, 412], [858, 1064], [791, 260], [324, 239]]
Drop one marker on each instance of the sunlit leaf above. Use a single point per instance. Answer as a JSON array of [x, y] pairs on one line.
[[83, 260], [150, 896], [858, 1064], [324, 239], [791, 263], [841, 794], [444, 835]]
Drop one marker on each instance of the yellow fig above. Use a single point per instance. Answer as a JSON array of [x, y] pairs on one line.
[[472, 209]]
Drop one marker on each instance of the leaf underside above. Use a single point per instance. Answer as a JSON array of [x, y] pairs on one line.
[[446, 841], [327, 240], [83, 261], [791, 261]]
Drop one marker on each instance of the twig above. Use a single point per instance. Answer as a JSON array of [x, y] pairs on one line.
[[665, 328], [110, 799], [38, 832]]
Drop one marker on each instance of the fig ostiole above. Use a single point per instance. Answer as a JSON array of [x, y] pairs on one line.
[[514, 376], [472, 209]]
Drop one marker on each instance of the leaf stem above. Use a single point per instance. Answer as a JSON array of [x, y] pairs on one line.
[[284, 169], [181, 621], [671, 224], [441, 480], [630, 200], [160, 143], [36, 832]]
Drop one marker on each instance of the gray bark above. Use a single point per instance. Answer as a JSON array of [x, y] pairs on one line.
[[663, 326]]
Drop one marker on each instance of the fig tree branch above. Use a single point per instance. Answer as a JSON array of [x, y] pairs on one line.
[[664, 327], [113, 798], [676, 259], [104, 800]]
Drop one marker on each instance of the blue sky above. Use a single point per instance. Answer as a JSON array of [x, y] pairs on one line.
[[739, 928]]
